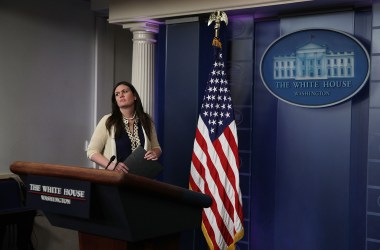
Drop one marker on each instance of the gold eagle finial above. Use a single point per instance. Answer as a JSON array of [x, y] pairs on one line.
[[217, 17]]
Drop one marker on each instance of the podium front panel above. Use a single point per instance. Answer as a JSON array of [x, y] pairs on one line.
[[58, 195]]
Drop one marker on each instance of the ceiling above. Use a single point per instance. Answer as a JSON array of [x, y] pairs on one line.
[[281, 8], [309, 7]]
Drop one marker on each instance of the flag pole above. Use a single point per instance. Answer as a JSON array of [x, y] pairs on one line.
[[217, 17]]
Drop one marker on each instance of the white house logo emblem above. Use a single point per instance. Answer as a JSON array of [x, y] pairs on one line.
[[315, 67]]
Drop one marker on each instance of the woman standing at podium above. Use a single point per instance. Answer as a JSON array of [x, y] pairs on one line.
[[119, 133]]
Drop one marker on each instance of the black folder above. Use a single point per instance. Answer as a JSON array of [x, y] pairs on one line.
[[139, 166]]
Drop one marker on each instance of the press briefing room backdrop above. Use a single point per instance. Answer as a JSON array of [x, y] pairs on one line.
[[310, 176]]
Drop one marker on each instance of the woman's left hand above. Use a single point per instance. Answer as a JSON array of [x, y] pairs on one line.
[[151, 155]]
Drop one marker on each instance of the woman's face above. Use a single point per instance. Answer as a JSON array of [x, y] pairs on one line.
[[124, 96]]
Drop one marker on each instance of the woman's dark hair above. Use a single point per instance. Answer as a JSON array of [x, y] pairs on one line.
[[116, 118]]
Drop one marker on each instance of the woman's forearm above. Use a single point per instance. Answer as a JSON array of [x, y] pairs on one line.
[[100, 159]]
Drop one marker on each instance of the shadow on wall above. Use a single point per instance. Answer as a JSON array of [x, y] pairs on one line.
[[48, 237]]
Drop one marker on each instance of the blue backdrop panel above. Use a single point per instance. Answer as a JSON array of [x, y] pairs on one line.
[[181, 100], [309, 164], [359, 142], [312, 177], [264, 147], [187, 62]]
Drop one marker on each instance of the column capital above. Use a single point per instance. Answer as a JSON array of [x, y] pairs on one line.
[[147, 26]]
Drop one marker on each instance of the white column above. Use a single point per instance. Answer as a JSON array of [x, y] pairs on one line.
[[143, 58]]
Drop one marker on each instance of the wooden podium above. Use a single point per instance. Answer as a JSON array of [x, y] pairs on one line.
[[111, 210]]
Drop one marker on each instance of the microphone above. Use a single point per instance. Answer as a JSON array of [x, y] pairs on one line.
[[111, 160]]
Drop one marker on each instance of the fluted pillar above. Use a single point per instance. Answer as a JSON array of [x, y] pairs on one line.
[[143, 57]]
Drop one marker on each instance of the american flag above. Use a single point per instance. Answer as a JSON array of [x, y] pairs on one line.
[[215, 161]]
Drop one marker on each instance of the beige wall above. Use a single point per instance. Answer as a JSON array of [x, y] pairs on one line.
[[58, 63]]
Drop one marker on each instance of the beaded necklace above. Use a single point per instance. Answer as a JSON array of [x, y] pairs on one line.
[[132, 134]]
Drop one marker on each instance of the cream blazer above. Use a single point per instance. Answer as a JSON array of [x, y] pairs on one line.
[[104, 143]]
